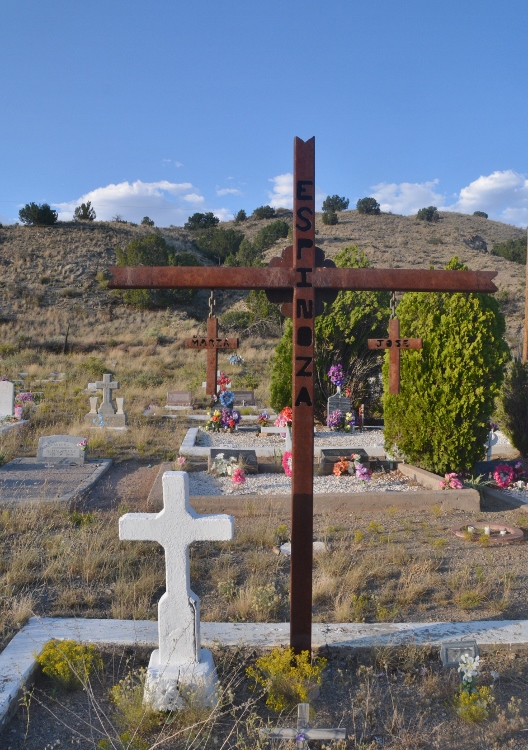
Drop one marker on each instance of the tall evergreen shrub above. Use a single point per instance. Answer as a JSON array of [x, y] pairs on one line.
[[438, 421], [514, 405]]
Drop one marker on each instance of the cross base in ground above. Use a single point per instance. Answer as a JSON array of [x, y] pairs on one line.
[[167, 685]]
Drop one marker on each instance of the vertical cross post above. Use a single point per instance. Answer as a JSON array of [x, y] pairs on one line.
[[302, 395], [394, 344]]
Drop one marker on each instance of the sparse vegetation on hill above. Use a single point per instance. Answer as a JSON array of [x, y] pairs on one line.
[[428, 214], [514, 250], [368, 206], [34, 214], [85, 212]]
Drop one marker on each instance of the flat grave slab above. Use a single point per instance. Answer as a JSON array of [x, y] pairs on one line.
[[30, 480], [179, 400], [244, 398], [330, 456], [247, 458]]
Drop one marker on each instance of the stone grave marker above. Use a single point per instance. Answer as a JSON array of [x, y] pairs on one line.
[[106, 415], [179, 400], [61, 448], [247, 458], [330, 456], [338, 401], [179, 661], [7, 398], [244, 398], [304, 732]]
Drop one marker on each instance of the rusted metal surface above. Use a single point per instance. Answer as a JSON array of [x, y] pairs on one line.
[[198, 342], [277, 277], [395, 344], [303, 258], [212, 343], [525, 339]]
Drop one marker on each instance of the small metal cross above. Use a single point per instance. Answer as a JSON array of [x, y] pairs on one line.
[[303, 733]]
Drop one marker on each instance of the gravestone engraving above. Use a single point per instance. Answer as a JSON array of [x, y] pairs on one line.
[[179, 660], [246, 458], [338, 401], [244, 398], [179, 400], [7, 398], [58, 447]]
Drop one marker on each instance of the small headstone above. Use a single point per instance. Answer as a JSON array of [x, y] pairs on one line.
[[179, 400], [7, 398], [247, 459], [60, 447], [247, 428], [244, 398], [330, 456], [106, 415], [285, 548], [92, 387], [338, 401]]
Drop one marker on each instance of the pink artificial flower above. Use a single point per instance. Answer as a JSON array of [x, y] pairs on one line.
[[503, 475], [238, 476], [451, 481], [287, 463], [181, 460]]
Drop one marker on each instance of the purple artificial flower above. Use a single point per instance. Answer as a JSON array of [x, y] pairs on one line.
[[334, 420], [337, 375]]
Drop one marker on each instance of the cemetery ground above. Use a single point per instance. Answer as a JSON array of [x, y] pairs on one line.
[[395, 565]]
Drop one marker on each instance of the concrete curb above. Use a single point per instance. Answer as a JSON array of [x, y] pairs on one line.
[[508, 502], [18, 664]]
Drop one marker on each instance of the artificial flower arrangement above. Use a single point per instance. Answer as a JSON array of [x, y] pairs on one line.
[[263, 419], [336, 420], [351, 466], [222, 419], [287, 463], [285, 417], [510, 476], [83, 445], [337, 376], [230, 467], [451, 481]]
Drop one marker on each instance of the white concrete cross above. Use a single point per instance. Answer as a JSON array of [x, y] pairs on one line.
[[175, 528], [108, 385]]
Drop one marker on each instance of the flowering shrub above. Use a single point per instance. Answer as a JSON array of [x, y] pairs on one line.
[[263, 419], [337, 375], [285, 417], [451, 481], [69, 663], [503, 475], [287, 463]]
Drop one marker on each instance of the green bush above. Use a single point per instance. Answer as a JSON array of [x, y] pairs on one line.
[[69, 663], [264, 316], [236, 320], [84, 212], [147, 221], [93, 367], [341, 334], [482, 214], [218, 243], [201, 221], [264, 212], [34, 214], [447, 392], [368, 206], [335, 203], [154, 251], [428, 214], [241, 216], [252, 253], [330, 217], [514, 250], [514, 405]]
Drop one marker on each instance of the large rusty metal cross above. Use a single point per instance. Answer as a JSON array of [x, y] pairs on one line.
[[302, 280], [395, 344]]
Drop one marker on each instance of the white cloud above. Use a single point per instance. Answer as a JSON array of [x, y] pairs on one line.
[[193, 198], [228, 191], [163, 201], [407, 197], [166, 162], [224, 214], [282, 193]]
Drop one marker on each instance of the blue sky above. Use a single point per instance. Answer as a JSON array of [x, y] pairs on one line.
[[167, 108]]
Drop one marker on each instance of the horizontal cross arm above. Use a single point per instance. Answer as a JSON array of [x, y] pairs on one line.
[[309, 734], [365, 279], [400, 343], [206, 343]]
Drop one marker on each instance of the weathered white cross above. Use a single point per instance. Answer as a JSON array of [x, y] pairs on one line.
[[179, 657], [108, 385], [303, 733]]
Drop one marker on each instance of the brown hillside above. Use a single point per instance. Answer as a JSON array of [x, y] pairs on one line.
[[52, 276]]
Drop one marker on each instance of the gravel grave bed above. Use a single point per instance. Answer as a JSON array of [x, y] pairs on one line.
[[323, 437], [202, 483]]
